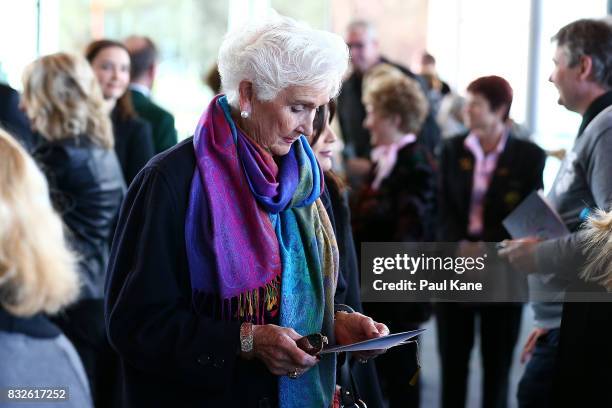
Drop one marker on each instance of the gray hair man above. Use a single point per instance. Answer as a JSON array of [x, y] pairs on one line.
[[362, 40], [583, 76]]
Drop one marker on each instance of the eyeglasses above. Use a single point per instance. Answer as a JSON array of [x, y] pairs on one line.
[[357, 45]]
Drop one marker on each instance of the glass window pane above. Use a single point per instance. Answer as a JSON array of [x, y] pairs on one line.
[[187, 33]]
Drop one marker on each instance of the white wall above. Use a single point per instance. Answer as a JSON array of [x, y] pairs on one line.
[[18, 38], [473, 38]]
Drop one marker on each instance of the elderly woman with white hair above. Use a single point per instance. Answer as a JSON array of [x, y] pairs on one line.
[[224, 256]]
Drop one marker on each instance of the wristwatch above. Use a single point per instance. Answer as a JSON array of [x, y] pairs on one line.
[[339, 307], [246, 337]]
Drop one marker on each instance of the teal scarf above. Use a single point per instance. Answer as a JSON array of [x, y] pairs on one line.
[[307, 296], [266, 224]]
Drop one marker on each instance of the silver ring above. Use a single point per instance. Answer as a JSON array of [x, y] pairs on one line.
[[294, 374]]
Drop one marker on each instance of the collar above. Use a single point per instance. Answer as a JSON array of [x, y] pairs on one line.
[[385, 158], [36, 326], [599, 104], [381, 60], [141, 89], [473, 144], [382, 151]]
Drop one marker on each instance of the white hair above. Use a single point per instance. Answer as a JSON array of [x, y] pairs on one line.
[[279, 52]]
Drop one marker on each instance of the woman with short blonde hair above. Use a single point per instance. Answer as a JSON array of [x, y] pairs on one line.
[[63, 100], [397, 203], [390, 94], [379, 71], [37, 276]]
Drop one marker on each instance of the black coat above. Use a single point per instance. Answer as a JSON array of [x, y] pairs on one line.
[[518, 173], [86, 189], [348, 292], [171, 355], [133, 144], [401, 210], [169, 351]]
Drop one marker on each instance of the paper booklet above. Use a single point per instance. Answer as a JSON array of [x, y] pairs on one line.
[[535, 217], [379, 343]]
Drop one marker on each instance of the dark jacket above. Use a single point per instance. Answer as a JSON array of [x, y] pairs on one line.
[[518, 173], [401, 210], [86, 188], [351, 114], [170, 354], [133, 144], [348, 293], [161, 121], [13, 120]]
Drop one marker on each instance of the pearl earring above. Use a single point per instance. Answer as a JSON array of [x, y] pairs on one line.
[[244, 114]]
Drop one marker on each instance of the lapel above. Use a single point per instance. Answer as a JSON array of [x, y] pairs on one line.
[[464, 176], [138, 99], [503, 173]]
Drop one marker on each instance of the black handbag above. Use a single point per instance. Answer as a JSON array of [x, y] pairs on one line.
[[349, 394]]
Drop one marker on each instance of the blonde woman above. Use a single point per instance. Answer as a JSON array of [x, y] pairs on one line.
[[37, 276], [63, 100]]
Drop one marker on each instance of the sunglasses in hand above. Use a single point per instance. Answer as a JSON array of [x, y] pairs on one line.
[[313, 343]]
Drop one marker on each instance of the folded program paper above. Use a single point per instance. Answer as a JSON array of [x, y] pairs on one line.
[[535, 217], [379, 343]]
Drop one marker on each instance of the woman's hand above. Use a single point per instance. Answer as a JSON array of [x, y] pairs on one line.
[[354, 327], [276, 347]]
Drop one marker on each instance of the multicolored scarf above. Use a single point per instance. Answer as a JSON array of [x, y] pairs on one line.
[[254, 228]]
